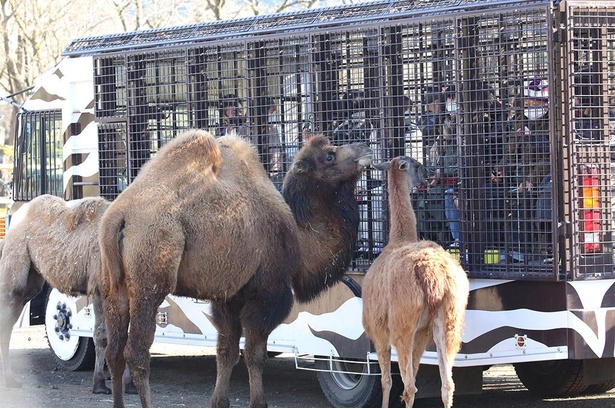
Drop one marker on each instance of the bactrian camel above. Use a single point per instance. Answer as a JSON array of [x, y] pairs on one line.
[[414, 291], [203, 220], [56, 241]]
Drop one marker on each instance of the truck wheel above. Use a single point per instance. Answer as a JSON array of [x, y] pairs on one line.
[[550, 379], [599, 388], [71, 353], [351, 390]]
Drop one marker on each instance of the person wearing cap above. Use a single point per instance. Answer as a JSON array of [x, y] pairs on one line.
[[528, 156], [530, 139]]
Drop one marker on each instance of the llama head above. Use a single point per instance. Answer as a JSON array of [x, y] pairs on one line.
[[407, 167]]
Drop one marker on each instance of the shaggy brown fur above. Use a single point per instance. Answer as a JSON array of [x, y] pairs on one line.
[[50, 240], [203, 220], [413, 292]]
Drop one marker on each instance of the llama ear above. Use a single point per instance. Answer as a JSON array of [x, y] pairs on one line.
[[403, 164], [382, 166]]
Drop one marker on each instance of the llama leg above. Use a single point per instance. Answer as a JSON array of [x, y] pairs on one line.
[[446, 349], [404, 349], [421, 339], [117, 319], [383, 349], [100, 343], [226, 319]]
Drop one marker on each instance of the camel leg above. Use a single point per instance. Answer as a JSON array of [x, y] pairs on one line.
[[100, 343], [255, 355], [226, 319], [140, 339], [445, 360], [383, 349], [20, 287], [260, 316], [117, 319], [8, 317], [129, 385]]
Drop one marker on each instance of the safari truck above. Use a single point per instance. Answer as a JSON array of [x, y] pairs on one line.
[[509, 104]]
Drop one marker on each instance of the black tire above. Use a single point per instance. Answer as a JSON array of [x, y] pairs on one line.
[[552, 379], [599, 388], [84, 357], [81, 355], [344, 390]]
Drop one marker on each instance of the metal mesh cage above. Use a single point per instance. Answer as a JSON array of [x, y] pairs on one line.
[[38, 153], [506, 104]]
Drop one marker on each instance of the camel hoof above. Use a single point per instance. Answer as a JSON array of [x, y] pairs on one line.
[[259, 405], [130, 389], [102, 390], [220, 403]]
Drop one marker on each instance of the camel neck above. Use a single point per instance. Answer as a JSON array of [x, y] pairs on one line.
[[403, 219]]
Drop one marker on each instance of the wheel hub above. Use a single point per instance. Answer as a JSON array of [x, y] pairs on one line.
[[62, 321]]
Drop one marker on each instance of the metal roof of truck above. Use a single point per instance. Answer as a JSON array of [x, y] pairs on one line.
[[292, 22]]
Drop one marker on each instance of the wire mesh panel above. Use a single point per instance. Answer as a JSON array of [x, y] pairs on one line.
[[112, 163], [590, 143], [38, 153], [506, 104]]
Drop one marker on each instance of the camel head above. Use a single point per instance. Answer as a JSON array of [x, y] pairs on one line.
[[406, 166], [322, 173], [331, 165], [319, 189]]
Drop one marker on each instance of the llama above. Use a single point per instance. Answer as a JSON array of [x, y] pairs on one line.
[[203, 220], [414, 291], [57, 241]]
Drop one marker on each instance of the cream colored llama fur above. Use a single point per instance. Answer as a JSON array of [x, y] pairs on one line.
[[413, 292]]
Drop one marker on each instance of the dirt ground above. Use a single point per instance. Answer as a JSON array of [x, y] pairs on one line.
[[184, 377]]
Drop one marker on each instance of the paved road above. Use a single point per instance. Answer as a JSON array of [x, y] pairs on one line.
[[184, 377]]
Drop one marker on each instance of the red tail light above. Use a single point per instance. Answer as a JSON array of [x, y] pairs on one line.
[[590, 209]]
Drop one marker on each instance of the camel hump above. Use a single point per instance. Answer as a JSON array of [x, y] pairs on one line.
[[193, 147], [85, 211]]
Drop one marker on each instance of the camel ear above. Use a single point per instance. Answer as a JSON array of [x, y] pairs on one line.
[[300, 167], [382, 166]]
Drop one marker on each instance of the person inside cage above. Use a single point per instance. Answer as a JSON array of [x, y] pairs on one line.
[[437, 148], [276, 155], [528, 143], [528, 156], [355, 127], [232, 118], [443, 157]]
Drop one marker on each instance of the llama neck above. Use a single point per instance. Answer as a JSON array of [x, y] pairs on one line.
[[403, 219]]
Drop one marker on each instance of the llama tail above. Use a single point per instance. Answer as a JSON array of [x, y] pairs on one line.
[[112, 271], [428, 268], [454, 306]]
